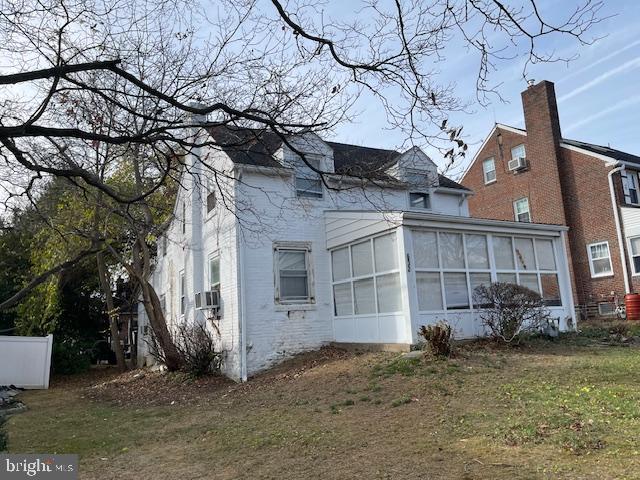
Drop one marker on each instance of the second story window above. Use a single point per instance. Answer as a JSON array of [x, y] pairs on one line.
[[489, 170], [308, 181], [521, 210], [183, 294], [184, 217], [211, 195], [631, 183], [518, 152], [419, 200]]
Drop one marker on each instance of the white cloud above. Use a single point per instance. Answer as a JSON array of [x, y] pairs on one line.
[[629, 65], [606, 58], [627, 102]]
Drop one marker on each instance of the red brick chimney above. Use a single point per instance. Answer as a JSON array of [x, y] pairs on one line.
[[543, 147]]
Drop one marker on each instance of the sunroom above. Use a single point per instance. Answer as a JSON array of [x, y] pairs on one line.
[[392, 272]]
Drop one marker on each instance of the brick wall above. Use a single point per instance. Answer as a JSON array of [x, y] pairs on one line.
[[563, 187]]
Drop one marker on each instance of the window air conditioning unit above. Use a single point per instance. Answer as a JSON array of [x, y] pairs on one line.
[[517, 164], [209, 300]]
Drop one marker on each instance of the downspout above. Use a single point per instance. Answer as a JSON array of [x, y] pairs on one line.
[[616, 216]]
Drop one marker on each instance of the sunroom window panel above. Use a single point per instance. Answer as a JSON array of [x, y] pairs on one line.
[[546, 256], [429, 291], [503, 253], [342, 299], [425, 247], [364, 296], [451, 250], [524, 254], [550, 289], [477, 280], [477, 254], [386, 253], [361, 259], [455, 291], [340, 264], [506, 278], [389, 299], [530, 280]]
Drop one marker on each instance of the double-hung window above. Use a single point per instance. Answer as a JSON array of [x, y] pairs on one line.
[[419, 200], [214, 272], [489, 170], [211, 195], [184, 217], [183, 294], [521, 210], [599, 259], [293, 275], [308, 181], [518, 152]]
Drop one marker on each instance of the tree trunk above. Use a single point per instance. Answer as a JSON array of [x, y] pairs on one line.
[[172, 358], [113, 317]]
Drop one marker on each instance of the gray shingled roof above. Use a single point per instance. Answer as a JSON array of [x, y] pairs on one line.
[[256, 147], [608, 151]]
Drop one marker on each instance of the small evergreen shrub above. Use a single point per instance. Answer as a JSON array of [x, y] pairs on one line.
[[69, 356]]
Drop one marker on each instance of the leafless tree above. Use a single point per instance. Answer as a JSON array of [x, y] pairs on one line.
[[92, 88]]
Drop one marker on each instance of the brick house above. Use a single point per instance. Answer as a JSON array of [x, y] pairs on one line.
[[536, 175]]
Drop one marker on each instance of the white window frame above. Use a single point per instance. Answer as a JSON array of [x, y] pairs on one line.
[[631, 255], [300, 247], [486, 172], [304, 172], [492, 269], [421, 209], [515, 210], [211, 258], [591, 259], [518, 148], [182, 291], [374, 275], [210, 190]]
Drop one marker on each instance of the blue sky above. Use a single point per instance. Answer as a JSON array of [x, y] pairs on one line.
[[598, 93]]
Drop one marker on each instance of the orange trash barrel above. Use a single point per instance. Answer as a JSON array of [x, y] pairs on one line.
[[632, 304]]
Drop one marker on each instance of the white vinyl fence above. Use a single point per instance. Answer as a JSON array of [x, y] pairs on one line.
[[25, 361]]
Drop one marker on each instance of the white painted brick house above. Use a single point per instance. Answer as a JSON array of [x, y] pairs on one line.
[[299, 263]]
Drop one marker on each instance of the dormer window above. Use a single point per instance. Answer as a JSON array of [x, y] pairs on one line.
[[308, 181], [419, 200]]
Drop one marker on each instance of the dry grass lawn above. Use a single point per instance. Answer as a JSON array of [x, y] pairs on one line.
[[563, 409]]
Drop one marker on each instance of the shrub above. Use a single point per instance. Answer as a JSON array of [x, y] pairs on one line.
[[509, 310], [438, 338], [197, 346], [69, 356]]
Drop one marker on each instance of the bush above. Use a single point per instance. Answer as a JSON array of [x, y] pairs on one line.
[[438, 338], [509, 310], [70, 356], [197, 347]]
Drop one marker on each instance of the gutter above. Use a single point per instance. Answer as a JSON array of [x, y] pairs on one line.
[[616, 216]]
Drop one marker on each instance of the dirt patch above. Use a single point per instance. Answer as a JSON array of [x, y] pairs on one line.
[[145, 387]]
